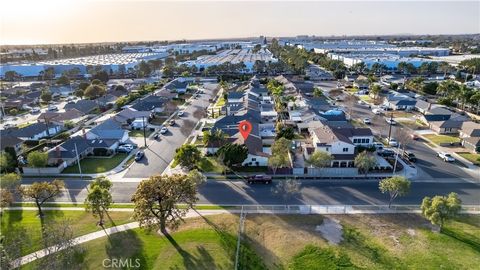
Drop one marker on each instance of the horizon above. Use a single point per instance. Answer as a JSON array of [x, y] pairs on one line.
[[126, 21]]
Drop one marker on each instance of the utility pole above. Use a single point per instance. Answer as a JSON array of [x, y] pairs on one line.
[[390, 127], [396, 159], [144, 133], [78, 161]]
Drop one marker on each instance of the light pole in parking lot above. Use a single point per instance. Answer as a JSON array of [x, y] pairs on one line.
[[144, 133]]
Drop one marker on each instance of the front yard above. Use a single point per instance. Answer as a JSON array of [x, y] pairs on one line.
[[139, 133], [474, 158], [442, 139], [97, 164]]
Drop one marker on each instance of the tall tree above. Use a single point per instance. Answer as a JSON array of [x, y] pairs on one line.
[[440, 208], [157, 201], [37, 159], [320, 159], [278, 161], [364, 162], [233, 154], [94, 91], [46, 96], [99, 198], [395, 186], [187, 156], [41, 192]]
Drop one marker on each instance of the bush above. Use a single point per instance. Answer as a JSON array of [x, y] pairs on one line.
[[63, 136], [362, 148]]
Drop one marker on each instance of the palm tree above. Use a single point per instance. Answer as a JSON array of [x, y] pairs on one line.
[[463, 95], [447, 88]]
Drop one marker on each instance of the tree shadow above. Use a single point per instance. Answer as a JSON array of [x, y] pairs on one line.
[[126, 246], [203, 261]]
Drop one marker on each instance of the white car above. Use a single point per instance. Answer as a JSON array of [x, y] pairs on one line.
[[391, 121], [163, 130], [445, 156], [367, 121], [126, 148], [377, 111], [35, 110], [180, 113], [392, 142], [52, 108]]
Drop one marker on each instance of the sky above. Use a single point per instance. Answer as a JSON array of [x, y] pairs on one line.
[[85, 21]]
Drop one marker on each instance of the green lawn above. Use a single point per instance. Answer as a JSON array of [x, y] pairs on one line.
[[220, 102], [209, 164], [438, 139], [139, 133], [474, 158], [201, 244], [366, 98], [82, 223], [97, 165], [402, 241]]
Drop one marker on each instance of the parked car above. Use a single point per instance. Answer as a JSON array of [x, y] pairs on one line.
[[172, 122], [180, 113], [392, 142], [52, 108], [386, 152], [391, 121], [409, 156], [156, 136], [259, 178], [377, 111], [35, 110], [71, 101], [367, 121], [126, 148], [378, 146], [446, 157], [139, 155], [163, 130]]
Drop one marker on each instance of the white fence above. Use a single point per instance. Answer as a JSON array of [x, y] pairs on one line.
[[341, 209]]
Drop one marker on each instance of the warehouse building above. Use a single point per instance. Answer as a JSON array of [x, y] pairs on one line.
[[109, 62], [391, 61]]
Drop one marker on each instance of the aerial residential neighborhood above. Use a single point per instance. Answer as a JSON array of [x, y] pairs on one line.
[[210, 144]]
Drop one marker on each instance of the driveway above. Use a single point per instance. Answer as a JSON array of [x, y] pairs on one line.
[[160, 153]]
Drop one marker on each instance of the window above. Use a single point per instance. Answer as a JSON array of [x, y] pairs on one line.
[[355, 140], [326, 149], [345, 149], [367, 140], [254, 159]]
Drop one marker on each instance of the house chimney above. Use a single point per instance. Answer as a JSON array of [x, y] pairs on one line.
[[57, 151]]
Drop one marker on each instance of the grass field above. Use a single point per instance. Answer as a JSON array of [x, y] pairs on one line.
[[438, 139], [139, 133], [209, 164], [97, 165], [82, 223], [474, 158], [402, 241], [208, 243]]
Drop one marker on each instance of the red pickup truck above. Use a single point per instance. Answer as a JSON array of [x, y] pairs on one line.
[[259, 178]]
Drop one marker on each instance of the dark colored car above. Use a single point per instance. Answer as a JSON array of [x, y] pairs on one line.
[[259, 178], [410, 156], [386, 153], [139, 155]]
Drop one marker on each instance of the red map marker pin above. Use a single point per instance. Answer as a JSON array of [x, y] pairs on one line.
[[245, 128]]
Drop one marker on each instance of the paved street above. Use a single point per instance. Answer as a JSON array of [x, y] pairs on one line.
[[160, 153], [428, 165], [311, 192]]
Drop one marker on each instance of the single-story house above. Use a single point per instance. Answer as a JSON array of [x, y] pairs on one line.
[[35, 131], [179, 85], [446, 127], [59, 118], [10, 141], [472, 144], [86, 106], [470, 129], [150, 104], [108, 130]]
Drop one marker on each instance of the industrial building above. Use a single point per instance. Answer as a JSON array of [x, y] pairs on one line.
[[391, 61], [247, 56], [368, 47], [109, 62]]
